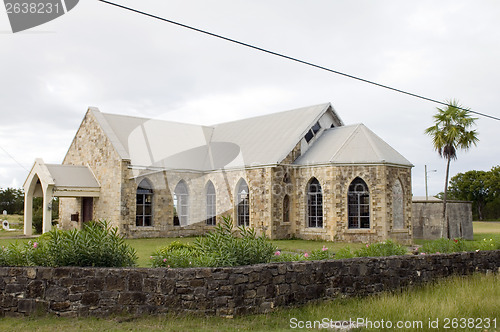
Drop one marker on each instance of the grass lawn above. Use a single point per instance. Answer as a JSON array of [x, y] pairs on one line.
[[476, 296], [15, 222], [145, 247], [481, 227]]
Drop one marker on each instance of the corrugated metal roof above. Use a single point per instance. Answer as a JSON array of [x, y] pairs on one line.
[[263, 140], [255, 141], [72, 176], [354, 144], [269, 139]]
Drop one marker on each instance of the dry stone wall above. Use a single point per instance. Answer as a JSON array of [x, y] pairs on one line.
[[78, 291]]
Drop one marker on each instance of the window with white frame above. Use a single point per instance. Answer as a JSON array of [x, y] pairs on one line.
[[144, 204], [314, 204], [243, 207], [181, 204], [358, 200], [210, 204]]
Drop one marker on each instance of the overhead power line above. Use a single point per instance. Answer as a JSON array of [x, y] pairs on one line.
[[291, 58], [10, 156]]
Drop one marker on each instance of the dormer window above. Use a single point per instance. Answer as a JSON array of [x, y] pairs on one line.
[[312, 132], [316, 128]]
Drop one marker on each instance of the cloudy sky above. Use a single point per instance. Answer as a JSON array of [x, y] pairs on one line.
[[121, 62]]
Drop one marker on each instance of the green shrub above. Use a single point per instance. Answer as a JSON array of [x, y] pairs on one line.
[[488, 244], [386, 248], [444, 245], [280, 256], [97, 244], [345, 252], [320, 254], [221, 247]]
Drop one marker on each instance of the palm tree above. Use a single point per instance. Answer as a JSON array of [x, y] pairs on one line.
[[449, 133]]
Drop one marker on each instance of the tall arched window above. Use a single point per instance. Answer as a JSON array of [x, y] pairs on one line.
[[286, 208], [144, 204], [181, 204], [358, 199], [397, 206], [210, 204], [314, 204], [243, 207]]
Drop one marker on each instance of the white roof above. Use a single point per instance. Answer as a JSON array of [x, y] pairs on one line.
[[262, 140], [354, 144], [257, 141], [72, 176]]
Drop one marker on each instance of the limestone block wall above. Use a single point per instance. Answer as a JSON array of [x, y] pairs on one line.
[[402, 175], [76, 291], [225, 183], [335, 181], [92, 147], [428, 219]]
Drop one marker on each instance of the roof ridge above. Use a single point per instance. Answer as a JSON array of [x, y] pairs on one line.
[[325, 105], [372, 143], [348, 138]]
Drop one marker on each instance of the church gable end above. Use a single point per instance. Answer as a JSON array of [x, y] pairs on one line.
[[92, 147]]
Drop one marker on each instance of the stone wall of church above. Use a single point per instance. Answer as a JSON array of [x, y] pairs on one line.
[[92, 147], [225, 182], [268, 187], [335, 181]]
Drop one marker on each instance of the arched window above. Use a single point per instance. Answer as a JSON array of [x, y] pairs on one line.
[[314, 204], [397, 206], [286, 208], [358, 199], [181, 204], [243, 201], [144, 204], [210, 204]]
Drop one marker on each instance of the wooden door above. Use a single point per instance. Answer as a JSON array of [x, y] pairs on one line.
[[87, 208]]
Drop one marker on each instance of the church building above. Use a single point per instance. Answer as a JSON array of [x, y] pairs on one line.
[[299, 173]]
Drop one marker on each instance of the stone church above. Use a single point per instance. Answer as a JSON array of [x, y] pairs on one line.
[[299, 173]]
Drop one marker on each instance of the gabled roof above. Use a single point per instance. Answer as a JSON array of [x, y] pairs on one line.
[[354, 144], [263, 140], [268, 139], [66, 180], [72, 176]]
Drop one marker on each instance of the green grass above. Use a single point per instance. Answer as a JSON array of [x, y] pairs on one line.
[[481, 227], [145, 247], [298, 245], [476, 296], [15, 222]]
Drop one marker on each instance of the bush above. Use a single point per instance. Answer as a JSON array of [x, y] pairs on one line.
[[386, 248], [488, 244], [345, 252], [221, 247], [442, 246], [97, 244]]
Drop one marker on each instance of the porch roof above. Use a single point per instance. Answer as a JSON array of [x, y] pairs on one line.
[[66, 180]]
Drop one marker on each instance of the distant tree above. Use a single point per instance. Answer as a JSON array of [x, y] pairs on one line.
[[12, 200], [471, 186], [449, 133]]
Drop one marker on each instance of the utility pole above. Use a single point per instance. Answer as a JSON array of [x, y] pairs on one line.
[[426, 192]]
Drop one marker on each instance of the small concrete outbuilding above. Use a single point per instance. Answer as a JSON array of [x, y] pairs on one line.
[[49, 181]]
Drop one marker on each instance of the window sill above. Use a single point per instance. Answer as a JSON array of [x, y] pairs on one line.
[[360, 230], [314, 230], [400, 230]]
